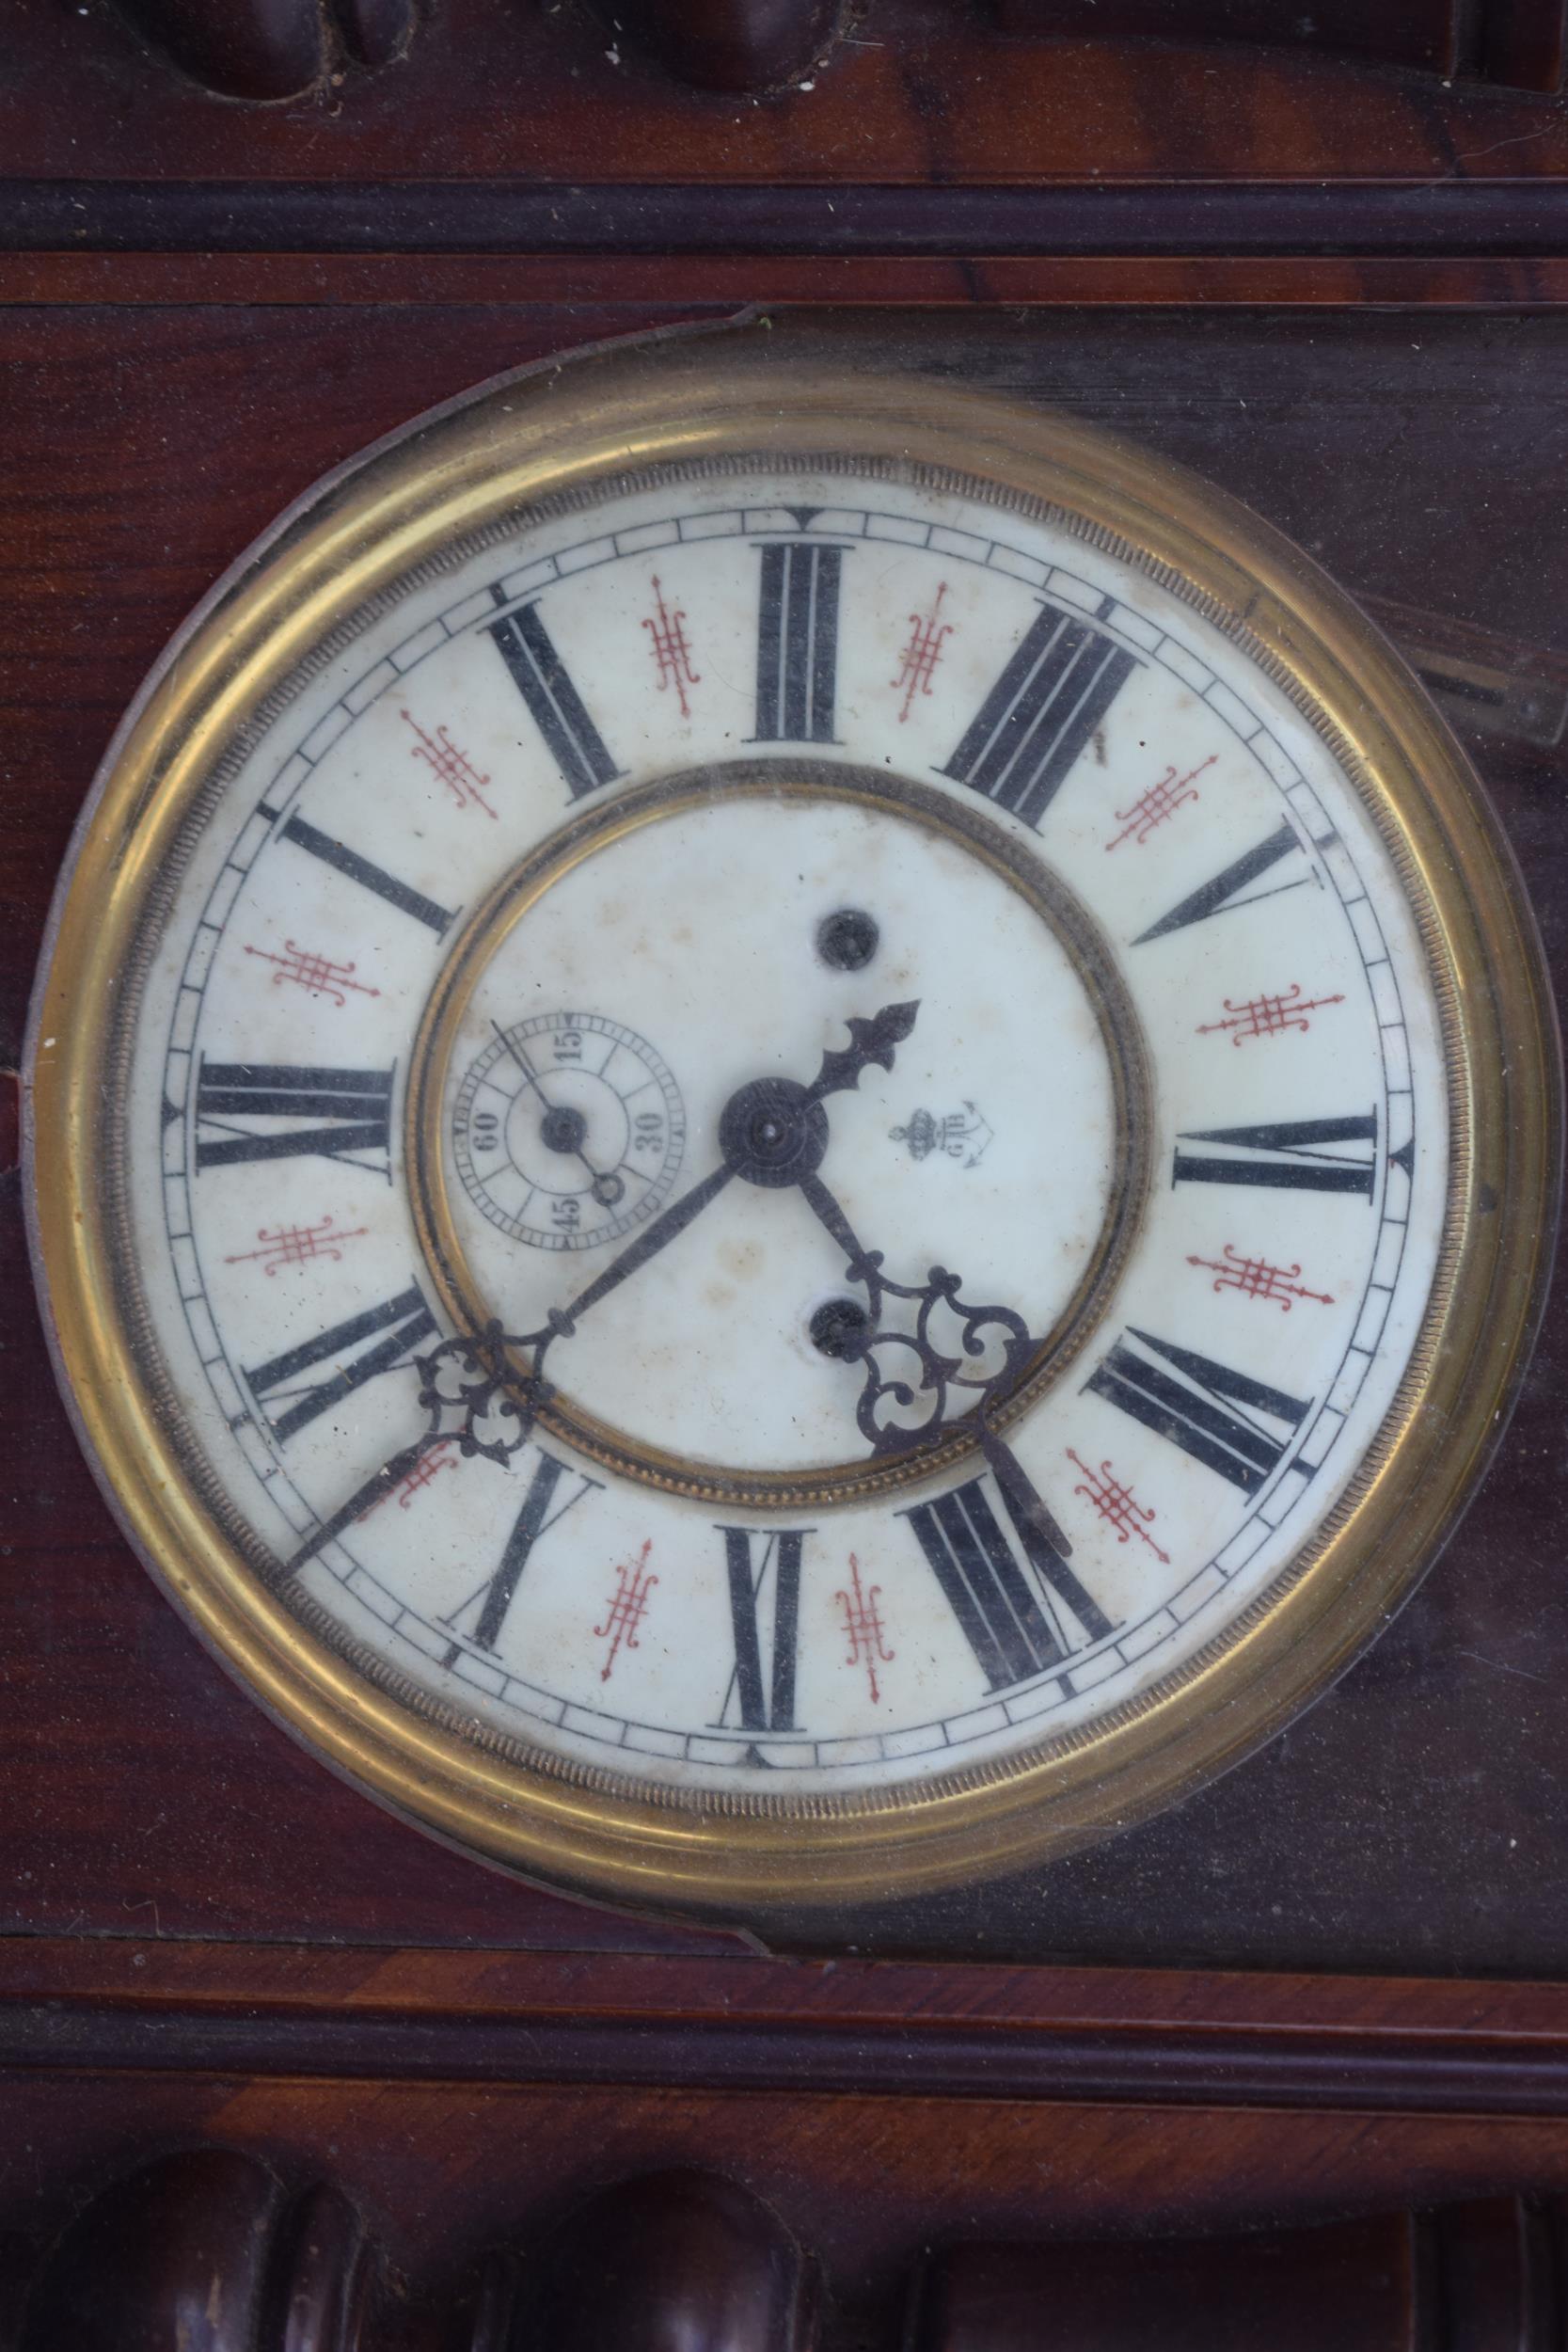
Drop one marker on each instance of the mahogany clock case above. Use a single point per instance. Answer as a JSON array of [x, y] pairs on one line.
[[1413, 1819]]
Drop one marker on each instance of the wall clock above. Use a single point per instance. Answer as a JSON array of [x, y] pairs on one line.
[[791, 1133]]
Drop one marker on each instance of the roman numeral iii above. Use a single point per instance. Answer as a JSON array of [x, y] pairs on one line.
[[356, 1351], [340, 1114], [1292, 1155], [1225, 1419], [1017, 1624], [1035, 722], [798, 641], [764, 1572]]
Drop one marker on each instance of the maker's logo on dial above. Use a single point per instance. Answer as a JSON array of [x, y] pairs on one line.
[[568, 1129]]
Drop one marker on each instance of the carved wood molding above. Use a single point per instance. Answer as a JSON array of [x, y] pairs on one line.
[[210, 2249], [269, 50]]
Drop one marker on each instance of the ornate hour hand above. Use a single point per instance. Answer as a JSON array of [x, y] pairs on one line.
[[952, 1355]]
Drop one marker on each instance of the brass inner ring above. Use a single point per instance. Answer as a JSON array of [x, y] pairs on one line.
[[1089, 953]]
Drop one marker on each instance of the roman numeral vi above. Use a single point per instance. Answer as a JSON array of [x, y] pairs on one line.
[[765, 1615]]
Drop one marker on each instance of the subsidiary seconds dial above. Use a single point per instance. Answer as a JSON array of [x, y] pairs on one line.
[[798, 1147], [568, 1129]]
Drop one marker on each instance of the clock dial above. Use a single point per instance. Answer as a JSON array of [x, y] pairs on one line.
[[785, 1142]]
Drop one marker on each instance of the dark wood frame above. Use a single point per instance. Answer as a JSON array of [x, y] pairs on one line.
[[461, 2083]]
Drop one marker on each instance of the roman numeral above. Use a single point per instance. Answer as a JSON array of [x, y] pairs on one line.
[[1288, 1156], [1015, 1625], [797, 643], [1226, 889], [493, 1598], [359, 869], [1197, 1410], [348, 1114], [765, 1613], [1040, 713], [554, 704], [406, 1320]]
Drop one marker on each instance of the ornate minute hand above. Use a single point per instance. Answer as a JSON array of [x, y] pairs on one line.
[[872, 1040]]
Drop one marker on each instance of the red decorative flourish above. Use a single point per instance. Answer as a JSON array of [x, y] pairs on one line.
[[454, 768], [297, 1245], [922, 653], [1116, 1505], [1267, 1016], [862, 1623], [1161, 801], [1256, 1278], [312, 971], [414, 1482], [627, 1608], [671, 650]]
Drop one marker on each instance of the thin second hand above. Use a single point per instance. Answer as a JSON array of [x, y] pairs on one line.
[[532, 1075]]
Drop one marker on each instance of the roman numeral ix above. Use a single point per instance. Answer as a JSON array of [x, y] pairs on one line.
[[1013, 1624], [554, 704], [340, 1114], [1036, 720], [1292, 1155], [356, 1351], [1225, 1419]]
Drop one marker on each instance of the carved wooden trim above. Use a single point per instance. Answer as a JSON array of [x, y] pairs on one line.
[[270, 49], [1468, 2278], [209, 2249], [1518, 41], [263, 50]]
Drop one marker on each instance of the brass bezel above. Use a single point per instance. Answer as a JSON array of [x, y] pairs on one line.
[[514, 443]]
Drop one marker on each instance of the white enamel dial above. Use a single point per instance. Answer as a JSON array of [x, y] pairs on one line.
[[913, 1046]]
